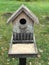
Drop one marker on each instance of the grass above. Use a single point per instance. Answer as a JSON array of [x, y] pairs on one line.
[[41, 9]]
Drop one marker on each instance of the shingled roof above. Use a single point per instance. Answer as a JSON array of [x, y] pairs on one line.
[[28, 13]]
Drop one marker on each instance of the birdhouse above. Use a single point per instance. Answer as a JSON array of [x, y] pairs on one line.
[[23, 40]]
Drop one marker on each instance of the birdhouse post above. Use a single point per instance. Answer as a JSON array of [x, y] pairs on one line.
[[23, 43]]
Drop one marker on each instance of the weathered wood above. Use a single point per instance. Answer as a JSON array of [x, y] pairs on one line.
[[23, 37], [27, 12], [23, 40], [23, 49]]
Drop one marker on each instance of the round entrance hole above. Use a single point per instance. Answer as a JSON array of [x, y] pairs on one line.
[[22, 21]]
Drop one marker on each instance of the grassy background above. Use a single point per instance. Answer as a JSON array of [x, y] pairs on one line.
[[41, 9], [26, 0]]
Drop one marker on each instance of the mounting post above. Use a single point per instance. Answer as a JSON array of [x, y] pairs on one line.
[[22, 61]]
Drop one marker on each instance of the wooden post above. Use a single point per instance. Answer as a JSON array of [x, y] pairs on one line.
[[22, 61]]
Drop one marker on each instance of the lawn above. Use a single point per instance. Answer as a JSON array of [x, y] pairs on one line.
[[41, 9]]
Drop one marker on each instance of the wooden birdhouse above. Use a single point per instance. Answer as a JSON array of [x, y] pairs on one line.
[[23, 40]]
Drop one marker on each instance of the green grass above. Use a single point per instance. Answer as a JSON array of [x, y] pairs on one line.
[[41, 9]]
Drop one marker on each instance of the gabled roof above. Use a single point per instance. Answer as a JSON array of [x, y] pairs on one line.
[[28, 13]]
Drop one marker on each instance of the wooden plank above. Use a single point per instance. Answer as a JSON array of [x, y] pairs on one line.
[[22, 41], [22, 49]]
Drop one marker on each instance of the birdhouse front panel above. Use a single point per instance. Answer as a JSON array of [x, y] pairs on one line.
[[23, 24]]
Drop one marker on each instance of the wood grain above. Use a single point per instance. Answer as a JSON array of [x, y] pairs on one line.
[[22, 49]]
